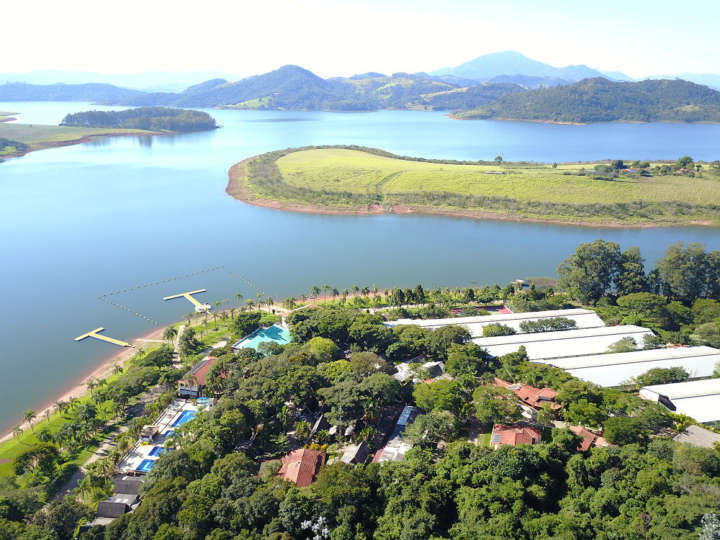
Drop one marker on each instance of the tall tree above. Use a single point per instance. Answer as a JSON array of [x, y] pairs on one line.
[[684, 272], [632, 278], [590, 272]]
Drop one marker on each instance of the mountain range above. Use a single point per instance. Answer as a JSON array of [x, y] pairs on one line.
[[509, 64], [500, 85]]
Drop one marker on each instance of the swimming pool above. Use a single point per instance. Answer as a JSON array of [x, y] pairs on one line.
[[146, 465], [275, 333], [157, 451], [185, 417]]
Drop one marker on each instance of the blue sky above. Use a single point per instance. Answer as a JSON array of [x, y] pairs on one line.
[[342, 37]]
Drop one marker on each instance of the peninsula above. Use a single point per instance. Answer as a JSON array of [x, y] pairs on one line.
[[359, 180], [19, 139]]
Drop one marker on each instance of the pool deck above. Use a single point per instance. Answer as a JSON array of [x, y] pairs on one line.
[[251, 340], [141, 450]]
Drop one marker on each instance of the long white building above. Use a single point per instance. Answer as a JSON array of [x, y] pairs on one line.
[[615, 369], [697, 399], [545, 345], [584, 318]]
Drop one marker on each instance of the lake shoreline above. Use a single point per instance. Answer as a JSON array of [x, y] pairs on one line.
[[79, 389], [238, 189], [84, 139]]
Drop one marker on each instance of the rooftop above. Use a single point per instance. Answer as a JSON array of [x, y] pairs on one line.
[[564, 343], [697, 399], [301, 466], [514, 435], [616, 368]]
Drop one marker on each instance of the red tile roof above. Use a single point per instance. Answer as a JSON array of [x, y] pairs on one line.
[[301, 466], [588, 438], [535, 397], [200, 371], [514, 435]]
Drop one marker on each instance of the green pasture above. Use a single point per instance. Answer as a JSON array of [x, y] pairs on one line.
[[344, 170]]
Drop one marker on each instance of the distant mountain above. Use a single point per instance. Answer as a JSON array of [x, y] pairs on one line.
[[158, 81], [708, 79], [95, 92], [601, 100], [489, 66], [292, 87]]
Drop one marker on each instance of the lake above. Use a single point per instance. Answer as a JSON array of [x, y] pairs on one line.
[[82, 221]]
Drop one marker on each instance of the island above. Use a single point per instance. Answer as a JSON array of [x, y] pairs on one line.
[[360, 180], [146, 118], [19, 139]]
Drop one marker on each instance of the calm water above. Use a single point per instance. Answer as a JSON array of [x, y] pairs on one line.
[[82, 221]]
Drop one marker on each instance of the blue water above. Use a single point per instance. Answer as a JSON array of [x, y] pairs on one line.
[[184, 418], [83, 221], [157, 451], [275, 333], [146, 465]]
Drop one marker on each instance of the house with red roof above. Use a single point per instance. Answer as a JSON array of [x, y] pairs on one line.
[[301, 466], [514, 435], [532, 398], [192, 384], [589, 438]]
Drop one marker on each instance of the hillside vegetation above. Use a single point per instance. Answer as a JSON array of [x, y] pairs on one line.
[[355, 178], [148, 118], [600, 100]]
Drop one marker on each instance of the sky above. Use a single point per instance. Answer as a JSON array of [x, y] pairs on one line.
[[344, 37]]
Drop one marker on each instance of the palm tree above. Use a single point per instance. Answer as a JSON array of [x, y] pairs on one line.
[[189, 316], [17, 431], [72, 403], [249, 303], [117, 368], [29, 416], [238, 297], [217, 305], [61, 406], [92, 384], [355, 288], [232, 312], [170, 333]]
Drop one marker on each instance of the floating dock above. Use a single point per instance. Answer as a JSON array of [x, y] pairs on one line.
[[96, 334], [189, 296]]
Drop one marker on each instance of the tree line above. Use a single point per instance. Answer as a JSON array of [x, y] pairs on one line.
[[147, 118]]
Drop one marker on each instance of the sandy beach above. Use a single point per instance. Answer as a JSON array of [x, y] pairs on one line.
[[101, 372]]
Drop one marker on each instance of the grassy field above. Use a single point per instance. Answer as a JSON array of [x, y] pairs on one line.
[[355, 171], [39, 136], [349, 178]]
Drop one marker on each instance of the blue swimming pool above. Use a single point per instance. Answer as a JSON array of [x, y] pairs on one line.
[[185, 417], [275, 333], [146, 465], [157, 451]]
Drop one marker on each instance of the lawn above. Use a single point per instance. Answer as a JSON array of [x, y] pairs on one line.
[[337, 169]]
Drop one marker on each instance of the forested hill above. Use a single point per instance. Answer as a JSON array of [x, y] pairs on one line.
[[601, 100], [292, 87], [96, 92], [149, 118], [289, 87]]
